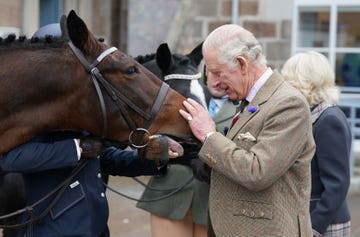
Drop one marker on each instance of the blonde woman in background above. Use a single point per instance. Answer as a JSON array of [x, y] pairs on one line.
[[311, 73]]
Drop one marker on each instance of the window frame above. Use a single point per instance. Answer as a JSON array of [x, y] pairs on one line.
[[331, 50], [50, 11]]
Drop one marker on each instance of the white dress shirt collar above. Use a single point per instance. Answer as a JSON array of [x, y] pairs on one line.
[[259, 83]]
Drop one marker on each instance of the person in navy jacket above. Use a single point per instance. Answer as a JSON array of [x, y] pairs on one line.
[[82, 210], [311, 73]]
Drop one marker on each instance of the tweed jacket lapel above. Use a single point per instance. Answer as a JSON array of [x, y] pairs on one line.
[[259, 100]]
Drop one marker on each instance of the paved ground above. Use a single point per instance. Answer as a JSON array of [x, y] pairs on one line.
[[125, 219], [128, 221]]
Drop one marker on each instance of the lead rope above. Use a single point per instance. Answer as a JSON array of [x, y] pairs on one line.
[[171, 191]]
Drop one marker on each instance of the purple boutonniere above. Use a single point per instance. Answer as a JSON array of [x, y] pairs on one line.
[[252, 109]]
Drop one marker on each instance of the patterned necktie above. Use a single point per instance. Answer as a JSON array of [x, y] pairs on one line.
[[212, 108], [239, 110]]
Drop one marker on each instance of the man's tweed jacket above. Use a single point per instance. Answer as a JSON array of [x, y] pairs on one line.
[[260, 184]]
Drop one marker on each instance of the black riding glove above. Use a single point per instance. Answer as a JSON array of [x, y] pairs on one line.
[[201, 170], [91, 147], [157, 149]]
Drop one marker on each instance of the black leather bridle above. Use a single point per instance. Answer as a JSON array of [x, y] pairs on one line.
[[120, 100]]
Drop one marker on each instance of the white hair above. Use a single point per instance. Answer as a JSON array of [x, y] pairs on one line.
[[311, 73], [231, 41]]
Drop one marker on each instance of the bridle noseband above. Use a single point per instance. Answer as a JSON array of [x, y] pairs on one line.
[[120, 100]]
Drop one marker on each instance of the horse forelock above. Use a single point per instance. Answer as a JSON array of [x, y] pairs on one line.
[[182, 64], [145, 58]]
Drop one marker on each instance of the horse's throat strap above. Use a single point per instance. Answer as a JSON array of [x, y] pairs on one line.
[[80, 56]]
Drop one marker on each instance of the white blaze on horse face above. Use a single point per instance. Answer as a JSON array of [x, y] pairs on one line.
[[197, 90]]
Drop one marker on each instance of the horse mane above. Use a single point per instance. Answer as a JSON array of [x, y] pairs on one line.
[[145, 58], [49, 41]]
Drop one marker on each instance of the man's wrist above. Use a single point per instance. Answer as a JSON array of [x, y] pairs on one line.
[[208, 135]]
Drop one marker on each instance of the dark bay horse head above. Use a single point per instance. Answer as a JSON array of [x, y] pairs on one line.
[[179, 71], [44, 86]]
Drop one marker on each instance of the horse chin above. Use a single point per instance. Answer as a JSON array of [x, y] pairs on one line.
[[175, 147], [189, 144]]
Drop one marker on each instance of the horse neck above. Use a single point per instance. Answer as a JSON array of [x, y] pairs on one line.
[[50, 87]]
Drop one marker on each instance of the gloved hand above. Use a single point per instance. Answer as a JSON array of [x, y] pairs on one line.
[[91, 147], [201, 170], [157, 149]]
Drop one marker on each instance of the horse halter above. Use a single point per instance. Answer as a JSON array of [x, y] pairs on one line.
[[120, 100]]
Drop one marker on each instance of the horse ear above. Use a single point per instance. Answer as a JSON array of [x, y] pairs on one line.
[[163, 57], [196, 54], [77, 30], [64, 30]]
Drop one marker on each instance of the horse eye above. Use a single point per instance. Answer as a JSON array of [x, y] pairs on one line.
[[132, 70]]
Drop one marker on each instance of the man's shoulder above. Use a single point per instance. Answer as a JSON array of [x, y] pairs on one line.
[[286, 90]]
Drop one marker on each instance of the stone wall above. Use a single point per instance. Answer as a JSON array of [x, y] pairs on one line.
[[184, 24], [270, 25], [149, 24], [10, 17], [181, 23], [10, 13]]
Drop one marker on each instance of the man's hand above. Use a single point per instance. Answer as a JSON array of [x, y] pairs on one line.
[[199, 119], [91, 147]]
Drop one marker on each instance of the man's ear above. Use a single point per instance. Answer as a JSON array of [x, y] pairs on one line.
[[243, 64]]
